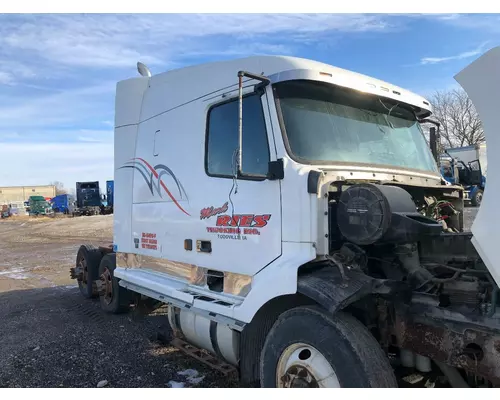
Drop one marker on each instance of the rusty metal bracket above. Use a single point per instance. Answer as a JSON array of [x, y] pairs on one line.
[[201, 355]]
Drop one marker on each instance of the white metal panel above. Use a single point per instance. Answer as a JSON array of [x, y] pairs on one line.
[[176, 87], [173, 216], [277, 279], [481, 81], [128, 100], [296, 201], [124, 149]]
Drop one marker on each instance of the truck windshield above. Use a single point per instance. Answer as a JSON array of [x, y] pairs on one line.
[[325, 124]]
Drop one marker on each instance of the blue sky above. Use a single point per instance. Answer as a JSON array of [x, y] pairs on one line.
[[58, 72]]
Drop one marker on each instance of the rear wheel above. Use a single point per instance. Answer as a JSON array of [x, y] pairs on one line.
[[308, 348], [87, 265], [478, 197], [114, 298]]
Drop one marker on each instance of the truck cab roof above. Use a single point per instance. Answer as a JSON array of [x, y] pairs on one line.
[[188, 83]]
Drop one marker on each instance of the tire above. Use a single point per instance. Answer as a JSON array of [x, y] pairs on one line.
[[114, 298], [91, 257], [478, 197], [350, 355]]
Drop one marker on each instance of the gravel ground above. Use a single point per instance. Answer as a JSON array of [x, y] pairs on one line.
[[50, 336]]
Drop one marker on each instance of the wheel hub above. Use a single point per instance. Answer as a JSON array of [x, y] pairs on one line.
[[299, 377], [479, 198], [82, 271], [303, 366], [106, 287]]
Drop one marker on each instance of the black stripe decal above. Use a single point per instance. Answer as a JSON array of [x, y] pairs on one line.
[[213, 339], [177, 320]]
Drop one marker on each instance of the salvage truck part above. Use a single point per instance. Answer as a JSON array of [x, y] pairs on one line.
[[310, 241]]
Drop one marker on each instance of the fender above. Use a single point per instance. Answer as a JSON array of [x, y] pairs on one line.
[[328, 288]]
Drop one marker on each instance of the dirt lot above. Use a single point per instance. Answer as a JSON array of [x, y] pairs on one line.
[[50, 336]]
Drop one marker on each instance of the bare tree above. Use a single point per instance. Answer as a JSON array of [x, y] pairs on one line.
[[460, 123], [60, 189]]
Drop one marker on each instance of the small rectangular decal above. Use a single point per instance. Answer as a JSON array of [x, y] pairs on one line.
[[148, 241]]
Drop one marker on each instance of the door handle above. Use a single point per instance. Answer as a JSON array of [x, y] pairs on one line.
[[155, 153]]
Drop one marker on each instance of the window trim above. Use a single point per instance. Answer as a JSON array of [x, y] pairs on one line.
[[302, 161], [246, 176]]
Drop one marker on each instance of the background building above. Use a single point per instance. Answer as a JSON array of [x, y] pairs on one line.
[[20, 194]]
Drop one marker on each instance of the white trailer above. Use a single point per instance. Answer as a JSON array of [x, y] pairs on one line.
[[295, 224]]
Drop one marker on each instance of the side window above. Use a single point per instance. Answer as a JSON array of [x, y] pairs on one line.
[[223, 138]]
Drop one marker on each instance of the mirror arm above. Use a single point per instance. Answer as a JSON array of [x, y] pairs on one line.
[[264, 81]]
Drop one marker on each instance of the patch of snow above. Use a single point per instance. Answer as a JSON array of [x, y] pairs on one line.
[[191, 376], [12, 271], [195, 381], [18, 276], [190, 373], [176, 385], [15, 273]]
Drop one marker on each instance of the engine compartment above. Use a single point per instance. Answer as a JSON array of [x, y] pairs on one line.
[[444, 302]]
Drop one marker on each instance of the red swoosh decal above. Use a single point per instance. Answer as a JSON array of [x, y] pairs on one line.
[[163, 185]]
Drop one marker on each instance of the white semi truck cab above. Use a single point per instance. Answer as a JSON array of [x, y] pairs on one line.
[[291, 217]]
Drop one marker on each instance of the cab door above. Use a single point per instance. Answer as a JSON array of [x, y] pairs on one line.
[[241, 217]]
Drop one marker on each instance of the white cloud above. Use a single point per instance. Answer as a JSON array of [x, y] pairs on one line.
[[460, 56], [41, 163], [489, 23], [110, 41], [58, 74], [9, 135], [5, 78], [67, 107], [12, 72], [95, 136]]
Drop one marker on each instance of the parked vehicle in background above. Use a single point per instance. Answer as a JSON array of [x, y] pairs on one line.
[[39, 206], [4, 211], [88, 198], [110, 187], [63, 203], [466, 166]]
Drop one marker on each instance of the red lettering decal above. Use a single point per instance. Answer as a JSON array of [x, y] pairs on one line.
[[211, 211], [261, 220], [223, 220], [235, 221], [246, 220]]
